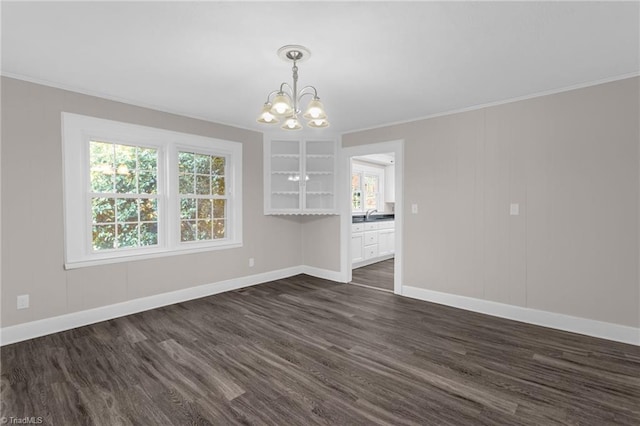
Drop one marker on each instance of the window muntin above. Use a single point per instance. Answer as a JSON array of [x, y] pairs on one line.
[[122, 199]]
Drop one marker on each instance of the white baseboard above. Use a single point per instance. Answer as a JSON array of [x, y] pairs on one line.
[[604, 330], [33, 329], [371, 261], [323, 273]]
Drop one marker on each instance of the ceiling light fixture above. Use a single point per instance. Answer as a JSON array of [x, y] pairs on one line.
[[287, 99]]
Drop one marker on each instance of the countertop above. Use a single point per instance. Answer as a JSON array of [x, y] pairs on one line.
[[359, 218]]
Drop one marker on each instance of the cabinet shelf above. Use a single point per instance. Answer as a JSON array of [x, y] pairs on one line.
[[285, 156], [319, 193], [319, 156], [286, 193], [285, 172]]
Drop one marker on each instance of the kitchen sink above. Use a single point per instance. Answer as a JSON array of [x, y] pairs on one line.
[[372, 218]]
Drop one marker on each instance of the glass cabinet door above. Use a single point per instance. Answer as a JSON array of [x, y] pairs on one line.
[[319, 171], [285, 175]]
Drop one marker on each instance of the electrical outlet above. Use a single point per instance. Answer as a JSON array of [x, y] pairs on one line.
[[252, 262], [23, 301], [514, 209], [414, 208]]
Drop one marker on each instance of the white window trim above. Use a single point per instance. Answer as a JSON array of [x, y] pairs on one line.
[[77, 130]]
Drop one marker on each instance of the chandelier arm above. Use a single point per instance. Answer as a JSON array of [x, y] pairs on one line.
[[269, 96], [302, 92], [282, 86]]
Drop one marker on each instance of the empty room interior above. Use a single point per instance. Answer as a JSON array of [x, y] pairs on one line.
[[312, 213]]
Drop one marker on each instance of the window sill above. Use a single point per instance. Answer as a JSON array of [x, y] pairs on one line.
[[133, 258]]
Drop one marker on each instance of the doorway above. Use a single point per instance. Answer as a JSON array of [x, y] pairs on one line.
[[371, 219]]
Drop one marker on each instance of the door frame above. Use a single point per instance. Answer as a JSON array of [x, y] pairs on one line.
[[397, 147]]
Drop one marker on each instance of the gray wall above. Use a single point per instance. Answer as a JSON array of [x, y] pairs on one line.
[[571, 160], [32, 221]]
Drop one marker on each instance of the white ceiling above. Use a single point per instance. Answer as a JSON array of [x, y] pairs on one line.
[[373, 63]]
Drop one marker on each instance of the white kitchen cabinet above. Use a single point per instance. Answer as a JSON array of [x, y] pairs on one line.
[[300, 176], [386, 242], [372, 242], [370, 238], [357, 247]]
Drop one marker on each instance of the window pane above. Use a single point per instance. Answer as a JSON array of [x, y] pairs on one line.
[[217, 185], [217, 166], [355, 182], [205, 230], [204, 209], [356, 200], [188, 230], [186, 184], [125, 157], [147, 159], [127, 235], [371, 184], [188, 208], [149, 234], [149, 210], [101, 156], [203, 164], [371, 192], [202, 185], [219, 229], [102, 181], [219, 209], [104, 237], [147, 183], [125, 181], [103, 210], [127, 209], [186, 162]]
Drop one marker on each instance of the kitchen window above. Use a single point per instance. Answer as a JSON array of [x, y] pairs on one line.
[[366, 192], [134, 192]]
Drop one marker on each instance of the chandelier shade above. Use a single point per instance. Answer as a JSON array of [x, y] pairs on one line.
[[319, 123], [266, 116], [286, 102], [315, 110], [281, 105], [292, 123]]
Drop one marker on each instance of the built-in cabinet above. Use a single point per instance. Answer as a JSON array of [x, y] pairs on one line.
[[372, 242], [300, 176]]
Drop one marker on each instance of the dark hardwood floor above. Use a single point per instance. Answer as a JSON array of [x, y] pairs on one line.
[[378, 275], [304, 351]]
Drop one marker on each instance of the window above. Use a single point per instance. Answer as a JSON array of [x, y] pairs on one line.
[[202, 195], [123, 195], [138, 192], [366, 193]]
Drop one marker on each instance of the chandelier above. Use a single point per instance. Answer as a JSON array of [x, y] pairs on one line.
[[286, 102]]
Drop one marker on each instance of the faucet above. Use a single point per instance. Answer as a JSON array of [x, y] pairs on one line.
[[369, 213]]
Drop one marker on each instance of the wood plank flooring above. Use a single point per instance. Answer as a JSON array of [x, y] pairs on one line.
[[304, 351], [378, 275]]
